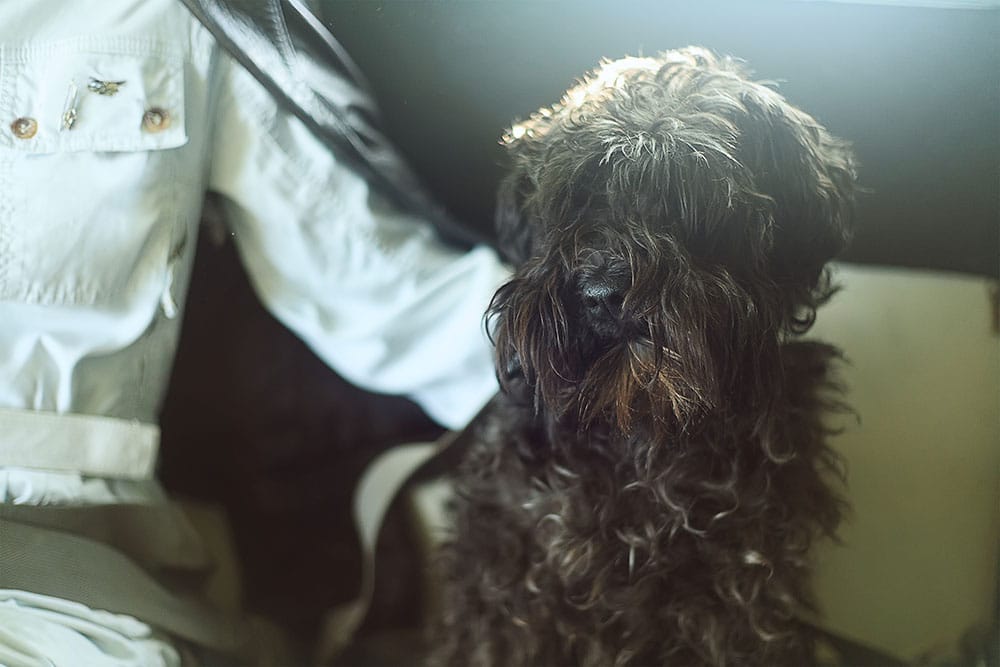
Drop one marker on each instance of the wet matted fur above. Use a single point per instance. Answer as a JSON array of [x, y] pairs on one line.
[[649, 485]]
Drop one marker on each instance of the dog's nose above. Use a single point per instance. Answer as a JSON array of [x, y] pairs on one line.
[[603, 296], [602, 283]]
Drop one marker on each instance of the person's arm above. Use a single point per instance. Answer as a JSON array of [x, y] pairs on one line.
[[371, 290]]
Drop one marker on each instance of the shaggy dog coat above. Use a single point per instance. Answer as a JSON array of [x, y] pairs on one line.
[[648, 486]]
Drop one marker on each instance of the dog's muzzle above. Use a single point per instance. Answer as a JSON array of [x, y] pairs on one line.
[[602, 281]]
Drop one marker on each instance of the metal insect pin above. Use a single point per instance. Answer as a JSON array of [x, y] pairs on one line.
[[104, 87]]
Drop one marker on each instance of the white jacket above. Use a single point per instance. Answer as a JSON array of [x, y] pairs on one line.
[[116, 118], [98, 219]]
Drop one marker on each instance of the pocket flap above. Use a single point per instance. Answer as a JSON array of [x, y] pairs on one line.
[[65, 98]]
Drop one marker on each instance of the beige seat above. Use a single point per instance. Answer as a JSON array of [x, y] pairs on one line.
[[919, 562]]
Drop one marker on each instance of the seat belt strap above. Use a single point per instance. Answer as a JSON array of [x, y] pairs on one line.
[[75, 568], [383, 481], [157, 537], [86, 444]]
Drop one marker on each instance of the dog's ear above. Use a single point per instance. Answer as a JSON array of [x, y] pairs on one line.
[[514, 231], [795, 190], [815, 195], [810, 177]]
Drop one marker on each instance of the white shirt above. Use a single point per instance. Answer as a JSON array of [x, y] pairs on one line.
[[116, 117], [98, 223]]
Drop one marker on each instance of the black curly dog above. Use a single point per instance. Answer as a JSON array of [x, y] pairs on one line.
[[647, 488]]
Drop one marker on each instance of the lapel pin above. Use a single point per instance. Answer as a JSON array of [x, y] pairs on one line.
[[70, 107], [104, 87]]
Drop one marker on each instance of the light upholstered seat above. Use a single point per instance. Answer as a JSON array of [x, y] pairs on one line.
[[918, 566]]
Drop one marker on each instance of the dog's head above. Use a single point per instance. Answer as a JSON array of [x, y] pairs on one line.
[[669, 220]]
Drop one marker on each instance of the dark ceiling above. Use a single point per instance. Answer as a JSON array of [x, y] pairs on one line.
[[916, 89]]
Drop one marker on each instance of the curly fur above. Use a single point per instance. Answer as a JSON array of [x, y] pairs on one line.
[[649, 485]]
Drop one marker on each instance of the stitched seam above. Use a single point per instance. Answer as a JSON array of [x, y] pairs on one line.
[[6, 217], [134, 46]]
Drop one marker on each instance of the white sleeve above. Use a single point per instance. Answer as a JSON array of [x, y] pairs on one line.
[[371, 290]]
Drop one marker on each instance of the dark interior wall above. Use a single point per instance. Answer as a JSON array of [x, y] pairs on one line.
[[916, 89]]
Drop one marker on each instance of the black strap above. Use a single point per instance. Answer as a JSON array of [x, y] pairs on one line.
[[269, 38]]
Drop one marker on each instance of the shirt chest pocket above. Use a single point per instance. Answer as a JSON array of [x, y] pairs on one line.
[[89, 170]]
